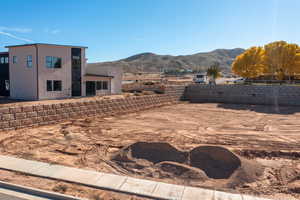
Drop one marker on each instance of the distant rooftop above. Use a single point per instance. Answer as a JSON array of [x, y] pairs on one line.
[[22, 45]]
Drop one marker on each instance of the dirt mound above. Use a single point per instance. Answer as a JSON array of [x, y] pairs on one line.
[[182, 170], [216, 162], [154, 152], [249, 171]]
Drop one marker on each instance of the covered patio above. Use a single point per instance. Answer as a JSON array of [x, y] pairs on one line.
[[97, 85]]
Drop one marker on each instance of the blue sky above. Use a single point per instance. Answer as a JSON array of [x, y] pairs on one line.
[[115, 29]]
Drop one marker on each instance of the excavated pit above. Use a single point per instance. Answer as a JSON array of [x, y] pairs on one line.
[[216, 162], [154, 152], [201, 163]]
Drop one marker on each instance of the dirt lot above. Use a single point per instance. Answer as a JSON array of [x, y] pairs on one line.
[[261, 147]]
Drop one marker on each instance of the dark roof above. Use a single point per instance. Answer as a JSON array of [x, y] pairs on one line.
[[99, 75], [44, 44], [3, 53]]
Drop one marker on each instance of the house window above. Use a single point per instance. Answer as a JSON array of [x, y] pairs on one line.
[[57, 86], [48, 61], [7, 85], [49, 86], [101, 85], [29, 61], [15, 59], [6, 60], [2, 60], [98, 85], [54, 85], [53, 62], [104, 85]]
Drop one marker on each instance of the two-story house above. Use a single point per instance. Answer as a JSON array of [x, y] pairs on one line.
[[50, 71]]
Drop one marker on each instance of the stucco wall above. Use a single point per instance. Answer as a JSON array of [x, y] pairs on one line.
[[23, 80], [63, 73]]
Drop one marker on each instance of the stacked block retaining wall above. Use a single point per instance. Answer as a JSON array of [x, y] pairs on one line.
[[43, 114]]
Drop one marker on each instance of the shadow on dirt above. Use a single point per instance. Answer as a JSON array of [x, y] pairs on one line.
[[268, 109]]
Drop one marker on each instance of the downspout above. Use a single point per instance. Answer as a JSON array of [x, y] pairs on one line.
[[37, 72]]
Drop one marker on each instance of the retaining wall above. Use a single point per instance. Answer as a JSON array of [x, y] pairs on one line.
[[244, 94], [44, 114]]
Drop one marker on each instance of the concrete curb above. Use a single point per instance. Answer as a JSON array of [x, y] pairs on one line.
[[36, 192], [117, 183]]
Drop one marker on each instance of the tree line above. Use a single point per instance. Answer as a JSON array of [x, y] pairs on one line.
[[277, 60]]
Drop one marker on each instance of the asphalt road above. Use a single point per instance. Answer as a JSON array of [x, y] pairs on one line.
[[9, 197]]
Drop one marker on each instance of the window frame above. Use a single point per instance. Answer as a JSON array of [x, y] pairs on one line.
[[53, 62], [57, 61], [29, 63], [51, 86], [105, 83], [98, 85], [2, 60], [48, 60], [6, 61], [14, 59], [7, 85], [60, 86], [49, 83]]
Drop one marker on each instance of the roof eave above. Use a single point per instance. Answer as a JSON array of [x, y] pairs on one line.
[[34, 44]]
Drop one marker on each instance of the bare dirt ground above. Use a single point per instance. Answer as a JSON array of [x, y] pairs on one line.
[[263, 136]]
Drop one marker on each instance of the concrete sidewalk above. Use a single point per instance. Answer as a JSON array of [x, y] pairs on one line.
[[123, 184]]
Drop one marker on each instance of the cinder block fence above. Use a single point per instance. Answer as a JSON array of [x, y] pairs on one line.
[[244, 94]]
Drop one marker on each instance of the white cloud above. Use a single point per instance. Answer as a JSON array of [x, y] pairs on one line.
[[14, 29], [14, 36], [54, 31]]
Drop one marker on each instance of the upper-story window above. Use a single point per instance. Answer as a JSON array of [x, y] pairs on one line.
[[15, 59], [29, 61], [53, 62], [4, 60]]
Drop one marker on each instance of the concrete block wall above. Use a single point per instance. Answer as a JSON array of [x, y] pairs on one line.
[[44, 114], [244, 94], [177, 91], [141, 86]]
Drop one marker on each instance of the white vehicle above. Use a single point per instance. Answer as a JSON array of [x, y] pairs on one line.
[[200, 78], [239, 81]]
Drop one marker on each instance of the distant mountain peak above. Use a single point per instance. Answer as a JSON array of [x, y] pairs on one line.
[[150, 62], [139, 56]]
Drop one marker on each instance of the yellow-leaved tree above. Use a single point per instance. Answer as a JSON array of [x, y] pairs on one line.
[[250, 64], [282, 59]]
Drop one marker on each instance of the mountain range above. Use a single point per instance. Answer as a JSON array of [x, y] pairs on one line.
[[150, 62]]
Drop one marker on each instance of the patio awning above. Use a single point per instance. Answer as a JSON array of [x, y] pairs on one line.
[[96, 77]]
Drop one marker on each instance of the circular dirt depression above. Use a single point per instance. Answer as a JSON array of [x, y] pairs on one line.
[[203, 162], [216, 162], [154, 152]]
